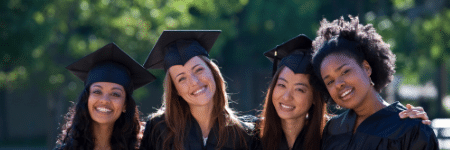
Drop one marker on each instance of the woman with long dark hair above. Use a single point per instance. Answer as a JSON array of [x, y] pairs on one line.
[[105, 115], [293, 114], [195, 113], [354, 64]]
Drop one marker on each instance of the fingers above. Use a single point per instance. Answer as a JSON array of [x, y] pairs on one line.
[[409, 106], [427, 122]]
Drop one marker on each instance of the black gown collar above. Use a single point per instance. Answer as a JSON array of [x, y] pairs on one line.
[[298, 144]]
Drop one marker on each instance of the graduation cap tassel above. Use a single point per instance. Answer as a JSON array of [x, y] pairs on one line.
[[274, 67], [275, 64]]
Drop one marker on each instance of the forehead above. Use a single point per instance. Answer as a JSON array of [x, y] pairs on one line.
[[333, 61], [175, 69], [289, 75], [106, 85]]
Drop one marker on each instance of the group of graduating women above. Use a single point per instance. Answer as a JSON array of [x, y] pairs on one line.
[[347, 64]]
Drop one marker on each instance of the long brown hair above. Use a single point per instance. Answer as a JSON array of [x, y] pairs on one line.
[[270, 125], [177, 113]]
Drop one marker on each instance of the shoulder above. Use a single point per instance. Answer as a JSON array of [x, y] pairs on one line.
[[387, 124], [341, 123], [155, 123]]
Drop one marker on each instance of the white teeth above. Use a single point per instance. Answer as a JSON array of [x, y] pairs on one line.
[[288, 107], [345, 93], [200, 90], [103, 109]]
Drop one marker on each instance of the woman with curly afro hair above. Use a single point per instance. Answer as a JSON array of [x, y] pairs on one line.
[[354, 64], [105, 116]]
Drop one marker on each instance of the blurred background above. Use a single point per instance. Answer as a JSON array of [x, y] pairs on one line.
[[39, 38]]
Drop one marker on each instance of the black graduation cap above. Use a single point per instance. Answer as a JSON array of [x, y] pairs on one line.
[[176, 47], [111, 64], [294, 53]]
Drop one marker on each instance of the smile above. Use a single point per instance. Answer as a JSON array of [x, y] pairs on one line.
[[103, 109], [285, 107], [347, 94], [199, 91]]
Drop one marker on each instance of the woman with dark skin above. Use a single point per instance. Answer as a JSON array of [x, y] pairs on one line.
[[105, 116], [354, 64], [195, 113], [294, 112]]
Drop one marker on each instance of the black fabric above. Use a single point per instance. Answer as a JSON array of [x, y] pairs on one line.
[[382, 130], [298, 144], [176, 47], [111, 64], [155, 132], [294, 54]]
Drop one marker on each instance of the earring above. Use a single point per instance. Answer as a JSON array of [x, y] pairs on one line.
[[338, 107], [371, 82]]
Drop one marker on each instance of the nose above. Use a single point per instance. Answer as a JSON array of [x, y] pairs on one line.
[[287, 95], [340, 83], [194, 80], [104, 98]]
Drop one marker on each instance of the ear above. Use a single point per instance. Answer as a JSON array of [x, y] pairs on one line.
[[367, 68]]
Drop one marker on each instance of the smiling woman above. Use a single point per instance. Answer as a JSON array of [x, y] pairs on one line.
[[195, 112], [105, 116], [354, 64]]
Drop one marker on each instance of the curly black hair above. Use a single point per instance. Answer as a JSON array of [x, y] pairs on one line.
[[357, 41], [76, 132]]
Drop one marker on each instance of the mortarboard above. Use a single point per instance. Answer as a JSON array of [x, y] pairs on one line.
[[294, 53], [111, 64], [176, 47]]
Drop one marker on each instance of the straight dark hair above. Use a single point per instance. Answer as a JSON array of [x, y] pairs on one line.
[[270, 125]]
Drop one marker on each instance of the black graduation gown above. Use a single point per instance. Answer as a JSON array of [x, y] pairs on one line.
[[380, 131], [298, 144], [194, 139]]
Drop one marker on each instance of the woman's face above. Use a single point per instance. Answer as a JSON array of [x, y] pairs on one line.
[[106, 102], [292, 95], [194, 82], [347, 82]]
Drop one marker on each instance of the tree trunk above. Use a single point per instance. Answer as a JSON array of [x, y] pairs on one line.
[[442, 88], [3, 124]]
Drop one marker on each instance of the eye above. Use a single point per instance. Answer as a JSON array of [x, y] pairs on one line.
[[300, 90], [281, 85], [97, 92], [346, 71], [198, 70], [115, 94], [330, 82], [181, 79]]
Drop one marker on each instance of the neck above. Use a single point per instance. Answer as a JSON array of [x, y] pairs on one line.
[[292, 128], [371, 104], [102, 134], [203, 116]]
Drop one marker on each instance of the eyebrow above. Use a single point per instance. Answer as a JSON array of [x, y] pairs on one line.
[[337, 69], [195, 66], [97, 86], [295, 83], [179, 74], [117, 88]]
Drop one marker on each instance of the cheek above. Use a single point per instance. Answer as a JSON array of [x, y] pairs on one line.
[[276, 94]]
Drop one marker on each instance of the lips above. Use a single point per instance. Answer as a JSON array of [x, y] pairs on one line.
[[103, 109], [346, 94], [286, 107], [199, 91]]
